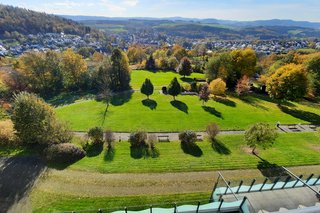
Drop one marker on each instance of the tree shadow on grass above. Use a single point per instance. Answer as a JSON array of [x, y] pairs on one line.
[[119, 99], [253, 102], [191, 149], [17, 177], [187, 80], [271, 171], [220, 148], [138, 152], [303, 115], [180, 106], [109, 154], [225, 101], [94, 150], [152, 104], [212, 111], [68, 98]]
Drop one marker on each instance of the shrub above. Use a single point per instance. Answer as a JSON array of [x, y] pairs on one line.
[[64, 153], [96, 135], [217, 87], [212, 131], [152, 150], [243, 86], [260, 134], [6, 132], [186, 87], [138, 139], [188, 137], [109, 138], [35, 121]]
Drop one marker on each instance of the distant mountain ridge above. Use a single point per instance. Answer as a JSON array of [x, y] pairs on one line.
[[271, 22]]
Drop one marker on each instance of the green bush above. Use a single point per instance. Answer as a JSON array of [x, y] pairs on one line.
[[96, 135], [63, 153], [188, 137], [35, 121], [138, 139]]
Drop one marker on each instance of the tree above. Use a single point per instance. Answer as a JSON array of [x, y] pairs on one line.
[[73, 66], [35, 121], [185, 67], [289, 82], [204, 94], [212, 130], [179, 52], [243, 86], [41, 72], [217, 87], [260, 134], [174, 88], [188, 137], [221, 67], [147, 88], [136, 54], [120, 71], [173, 63], [313, 67], [244, 62], [150, 64], [96, 135]]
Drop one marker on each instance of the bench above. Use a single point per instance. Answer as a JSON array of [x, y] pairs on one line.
[[313, 127], [293, 128], [163, 138], [199, 137]]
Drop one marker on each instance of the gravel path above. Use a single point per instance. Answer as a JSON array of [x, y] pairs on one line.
[[174, 136]]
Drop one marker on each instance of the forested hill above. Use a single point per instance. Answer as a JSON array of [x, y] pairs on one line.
[[16, 21]]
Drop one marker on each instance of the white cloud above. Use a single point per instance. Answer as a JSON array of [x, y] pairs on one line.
[[130, 3]]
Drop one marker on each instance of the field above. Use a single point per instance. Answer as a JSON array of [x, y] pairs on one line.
[[232, 153], [159, 79], [161, 114], [126, 181]]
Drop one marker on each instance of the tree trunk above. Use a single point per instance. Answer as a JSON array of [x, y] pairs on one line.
[[253, 150]]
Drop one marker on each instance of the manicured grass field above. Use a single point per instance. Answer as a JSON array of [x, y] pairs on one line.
[[49, 202], [291, 149], [159, 79], [132, 112]]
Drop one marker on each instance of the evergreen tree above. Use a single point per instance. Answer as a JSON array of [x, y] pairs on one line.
[[174, 88], [150, 64], [147, 88], [185, 67], [120, 71]]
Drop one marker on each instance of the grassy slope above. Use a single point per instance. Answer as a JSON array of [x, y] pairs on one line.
[[289, 150], [133, 115]]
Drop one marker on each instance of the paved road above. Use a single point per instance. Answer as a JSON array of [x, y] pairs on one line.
[[174, 136]]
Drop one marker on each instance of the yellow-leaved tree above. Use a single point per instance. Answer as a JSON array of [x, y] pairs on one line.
[[217, 87]]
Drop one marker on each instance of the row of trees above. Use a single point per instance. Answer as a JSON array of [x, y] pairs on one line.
[[51, 73]]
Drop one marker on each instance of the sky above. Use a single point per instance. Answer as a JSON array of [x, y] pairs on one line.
[[242, 10]]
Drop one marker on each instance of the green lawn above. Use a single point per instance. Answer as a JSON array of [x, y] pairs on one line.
[[50, 202], [131, 112], [159, 79], [291, 149]]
